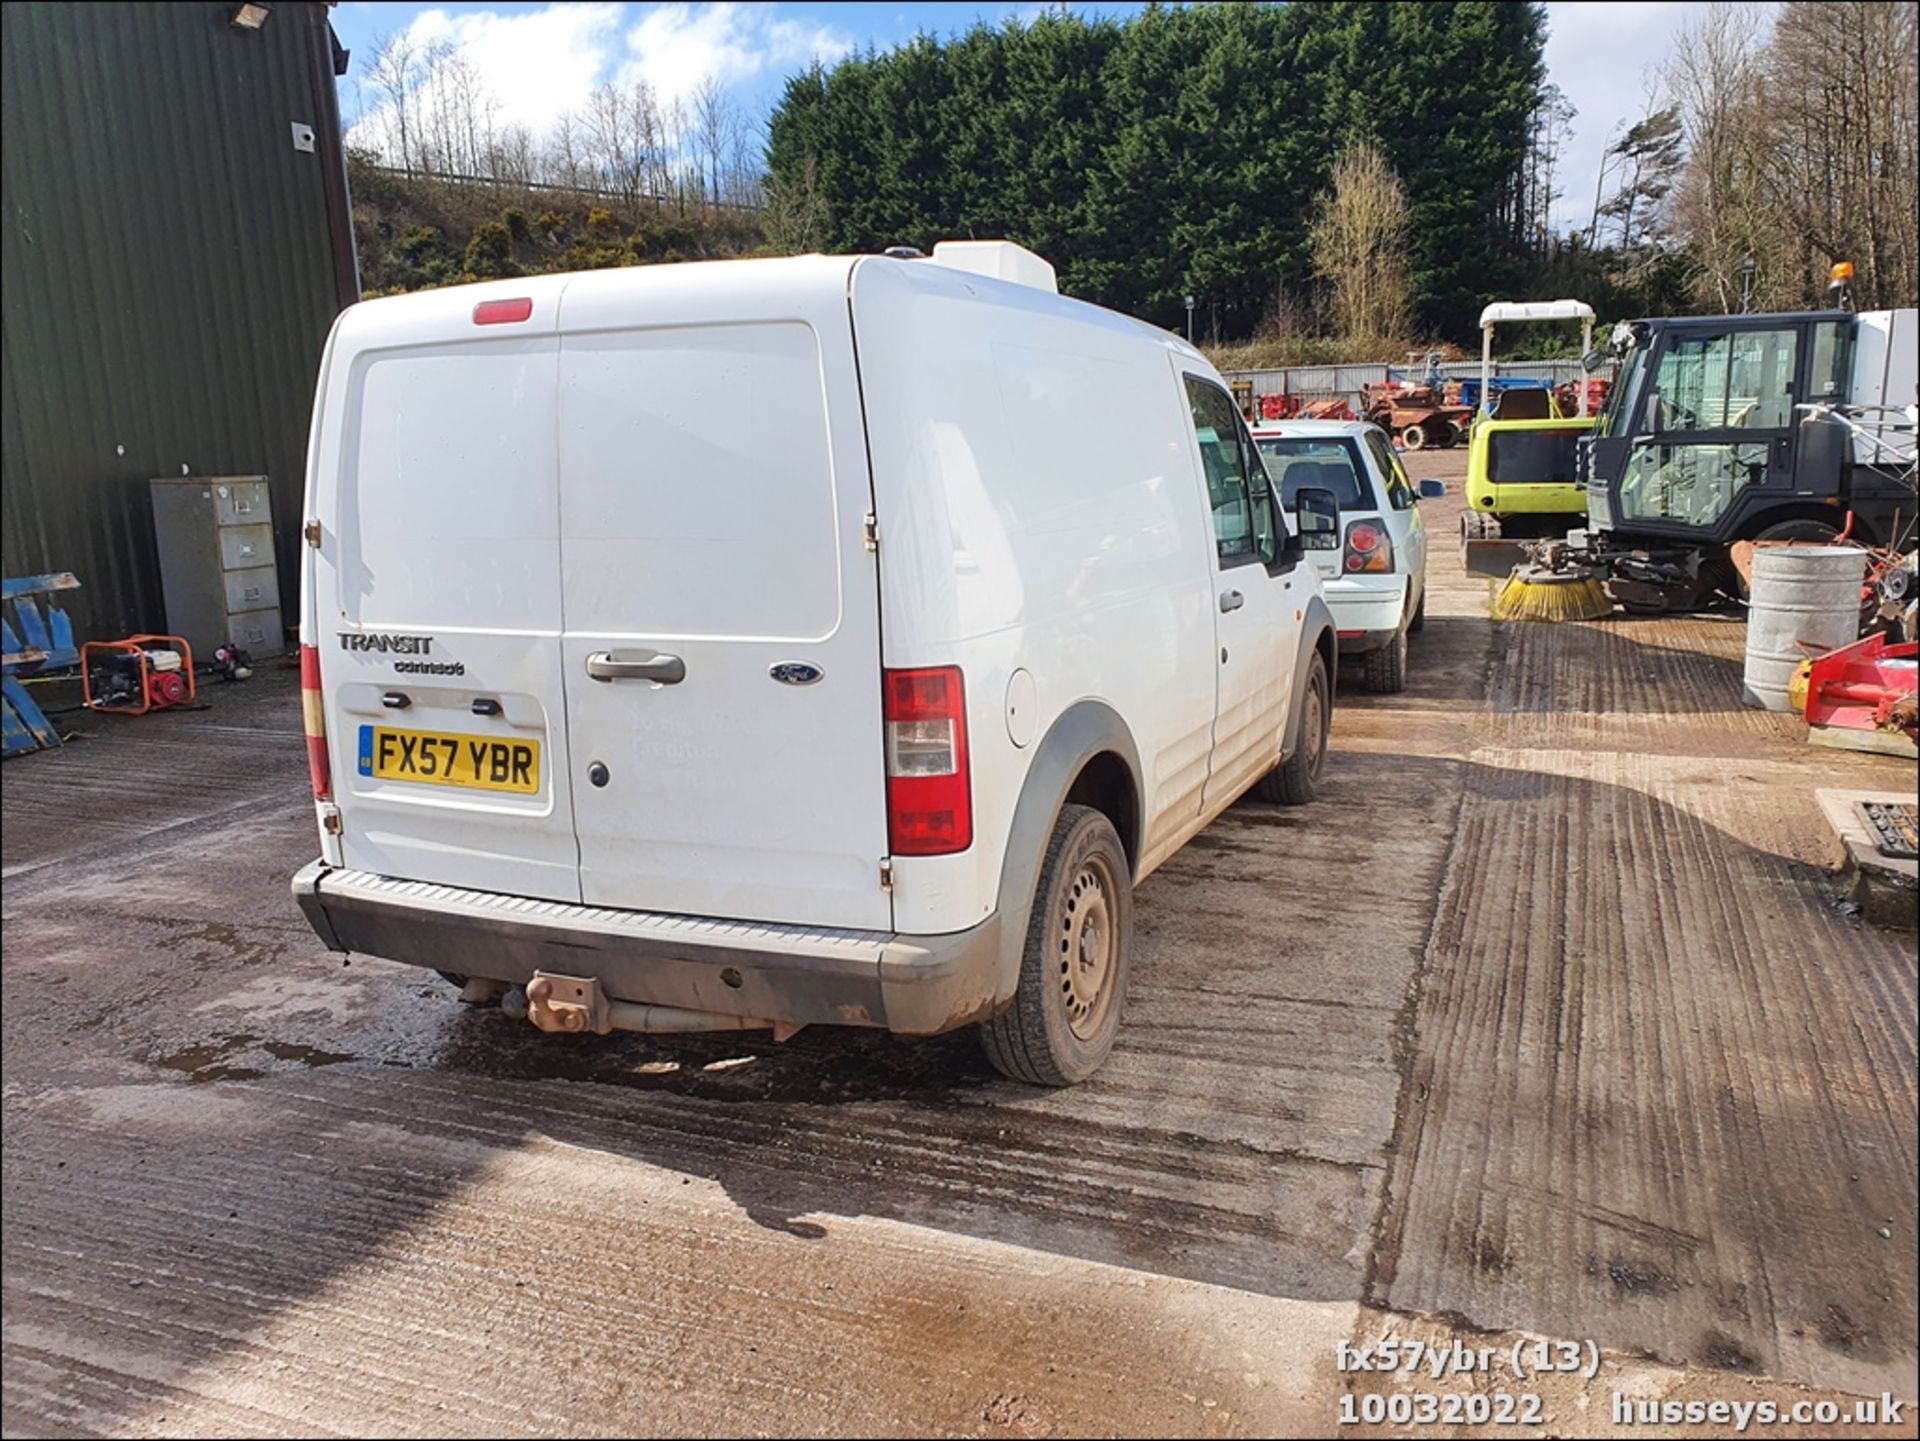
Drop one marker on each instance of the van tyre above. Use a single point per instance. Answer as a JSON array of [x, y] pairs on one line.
[[1419, 621], [1073, 970], [1294, 780], [1387, 667]]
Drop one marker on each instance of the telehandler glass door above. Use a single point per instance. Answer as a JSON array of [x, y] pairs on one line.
[[1717, 425]]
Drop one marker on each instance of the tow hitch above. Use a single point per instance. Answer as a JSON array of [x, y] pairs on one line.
[[576, 1005]]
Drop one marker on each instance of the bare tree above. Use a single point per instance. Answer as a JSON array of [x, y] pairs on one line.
[[1801, 151], [514, 159], [393, 73], [622, 140], [1547, 137], [714, 126], [1714, 80], [1360, 235], [562, 160], [796, 211], [1644, 163], [677, 144], [1840, 166]]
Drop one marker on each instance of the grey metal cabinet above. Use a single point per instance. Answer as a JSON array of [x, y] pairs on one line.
[[217, 570]]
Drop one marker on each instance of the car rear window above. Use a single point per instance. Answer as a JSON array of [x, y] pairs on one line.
[[1296, 462], [1532, 457]]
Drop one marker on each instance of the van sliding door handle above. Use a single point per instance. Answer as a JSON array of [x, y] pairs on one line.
[[636, 665], [1231, 600]]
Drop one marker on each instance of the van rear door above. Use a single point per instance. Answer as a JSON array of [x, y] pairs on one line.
[[436, 594], [721, 650]]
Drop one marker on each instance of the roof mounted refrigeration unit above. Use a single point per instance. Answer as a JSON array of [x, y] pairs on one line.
[[998, 260]]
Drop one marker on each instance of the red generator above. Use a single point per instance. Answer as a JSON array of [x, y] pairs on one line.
[[139, 674]]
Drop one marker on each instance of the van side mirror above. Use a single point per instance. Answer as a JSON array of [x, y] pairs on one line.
[[1433, 490], [1593, 360], [1316, 513]]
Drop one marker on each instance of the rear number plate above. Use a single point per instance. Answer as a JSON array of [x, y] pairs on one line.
[[437, 759]]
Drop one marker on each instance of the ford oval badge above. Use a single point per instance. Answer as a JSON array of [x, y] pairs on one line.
[[795, 672]]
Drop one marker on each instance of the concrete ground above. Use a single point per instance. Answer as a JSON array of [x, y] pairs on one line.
[[1549, 1019]]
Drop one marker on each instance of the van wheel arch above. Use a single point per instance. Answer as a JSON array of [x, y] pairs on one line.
[[1087, 757], [1107, 784], [1316, 634]]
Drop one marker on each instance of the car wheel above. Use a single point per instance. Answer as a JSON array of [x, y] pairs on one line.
[[1419, 621], [1073, 972], [1413, 437], [1294, 780], [1387, 667]]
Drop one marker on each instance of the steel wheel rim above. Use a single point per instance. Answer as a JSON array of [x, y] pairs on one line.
[[1088, 948], [1316, 729]]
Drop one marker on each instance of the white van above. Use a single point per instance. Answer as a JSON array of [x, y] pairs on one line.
[[774, 642]]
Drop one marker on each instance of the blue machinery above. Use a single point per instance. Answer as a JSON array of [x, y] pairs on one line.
[[33, 643]]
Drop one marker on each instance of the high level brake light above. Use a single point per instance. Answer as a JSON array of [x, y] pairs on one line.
[[502, 312], [313, 717], [929, 786], [1368, 548]]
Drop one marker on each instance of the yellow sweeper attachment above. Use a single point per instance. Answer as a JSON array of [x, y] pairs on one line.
[[1538, 592]]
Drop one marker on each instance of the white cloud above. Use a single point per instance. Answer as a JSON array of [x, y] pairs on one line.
[[676, 48], [542, 63]]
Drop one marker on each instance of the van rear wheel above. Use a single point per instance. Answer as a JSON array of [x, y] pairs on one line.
[[1073, 971]]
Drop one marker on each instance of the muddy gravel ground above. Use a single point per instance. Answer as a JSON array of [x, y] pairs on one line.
[[1548, 1018]]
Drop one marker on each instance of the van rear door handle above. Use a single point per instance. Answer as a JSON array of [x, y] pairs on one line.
[[636, 665], [1231, 600]]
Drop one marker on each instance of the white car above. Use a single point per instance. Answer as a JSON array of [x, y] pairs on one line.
[[777, 642], [1375, 579]]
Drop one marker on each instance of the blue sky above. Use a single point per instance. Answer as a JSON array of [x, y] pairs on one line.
[[539, 59]]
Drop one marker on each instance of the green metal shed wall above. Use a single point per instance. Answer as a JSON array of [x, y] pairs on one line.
[[169, 278]]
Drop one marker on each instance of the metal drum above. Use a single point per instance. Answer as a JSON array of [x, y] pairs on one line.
[[1805, 601]]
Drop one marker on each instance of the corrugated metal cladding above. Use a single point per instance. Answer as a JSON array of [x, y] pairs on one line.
[[170, 275]]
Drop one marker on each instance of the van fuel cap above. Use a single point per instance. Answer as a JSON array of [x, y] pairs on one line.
[[597, 773]]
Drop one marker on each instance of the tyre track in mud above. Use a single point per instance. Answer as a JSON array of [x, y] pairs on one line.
[[1663, 1084]]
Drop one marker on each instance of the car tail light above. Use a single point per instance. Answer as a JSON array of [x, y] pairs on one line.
[[1368, 547], [313, 716], [929, 788], [502, 312]]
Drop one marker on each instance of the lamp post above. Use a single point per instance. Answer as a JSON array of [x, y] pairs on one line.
[[1747, 268], [1189, 320]]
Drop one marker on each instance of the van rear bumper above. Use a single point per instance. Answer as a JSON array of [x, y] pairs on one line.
[[914, 985]]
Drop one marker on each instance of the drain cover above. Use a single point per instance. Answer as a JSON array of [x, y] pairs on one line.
[[1894, 826]]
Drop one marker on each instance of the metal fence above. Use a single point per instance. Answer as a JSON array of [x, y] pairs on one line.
[[1346, 382]]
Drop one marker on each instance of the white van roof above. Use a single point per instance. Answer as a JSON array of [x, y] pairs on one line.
[[595, 297]]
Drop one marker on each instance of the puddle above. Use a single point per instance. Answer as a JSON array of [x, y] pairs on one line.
[[242, 1058], [823, 1065]]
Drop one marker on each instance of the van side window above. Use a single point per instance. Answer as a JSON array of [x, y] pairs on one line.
[[1237, 487], [1400, 492]]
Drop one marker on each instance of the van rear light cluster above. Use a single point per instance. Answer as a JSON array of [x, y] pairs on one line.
[[1368, 547], [313, 718], [929, 786]]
